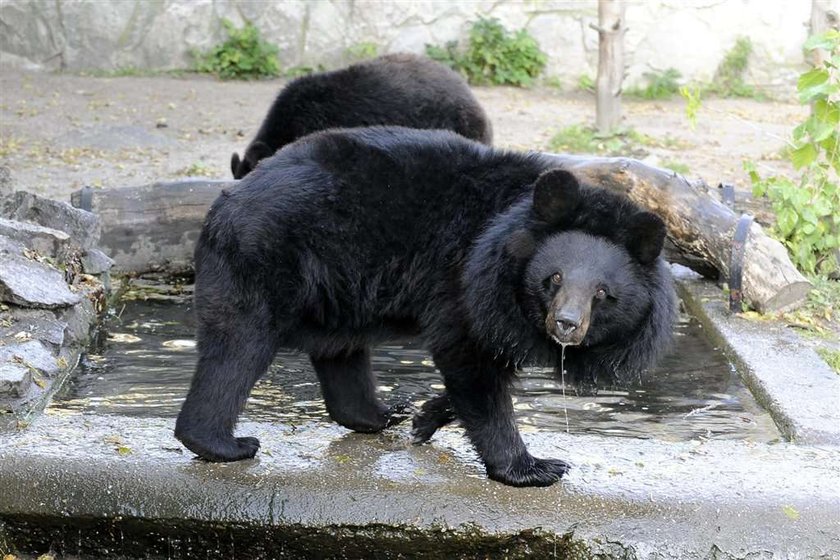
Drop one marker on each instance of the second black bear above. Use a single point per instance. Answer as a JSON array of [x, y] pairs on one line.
[[495, 259], [396, 89]]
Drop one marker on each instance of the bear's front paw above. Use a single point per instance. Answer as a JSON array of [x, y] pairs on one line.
[[530, 471]]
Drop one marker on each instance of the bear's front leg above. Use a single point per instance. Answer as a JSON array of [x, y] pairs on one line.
[[478, 389]]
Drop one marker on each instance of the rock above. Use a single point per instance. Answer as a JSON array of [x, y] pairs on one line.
[[29, 283], [45, 241], [83, 227], [79, 320], [95, 261], [33, 324], [7, 186], [32, 354], [15, 379]]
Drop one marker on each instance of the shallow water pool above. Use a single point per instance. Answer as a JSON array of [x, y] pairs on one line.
[[144, 369]]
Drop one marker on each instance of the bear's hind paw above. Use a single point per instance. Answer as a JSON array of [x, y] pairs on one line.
[[532, 472]]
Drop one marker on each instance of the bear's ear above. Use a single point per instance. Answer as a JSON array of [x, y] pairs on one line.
[[556, 196], [521, 244], [645, 237], [257, 151], [234, 164]]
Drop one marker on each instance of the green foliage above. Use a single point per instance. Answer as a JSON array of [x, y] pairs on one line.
[[693, 102], [586, 83], [244, 55], [494, 55], [583, 139], [831, 357], [298, 71], [808, 212], [362, 51], [660, 85], [729, 77], [676, 166]]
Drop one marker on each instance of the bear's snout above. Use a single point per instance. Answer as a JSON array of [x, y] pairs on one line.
[[567, 319]]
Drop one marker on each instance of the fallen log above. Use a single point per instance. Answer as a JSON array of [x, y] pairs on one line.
[[700, 226], [155, 227]]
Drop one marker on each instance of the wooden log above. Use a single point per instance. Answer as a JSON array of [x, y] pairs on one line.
[[152, 227], [155, 227], [700, 226]]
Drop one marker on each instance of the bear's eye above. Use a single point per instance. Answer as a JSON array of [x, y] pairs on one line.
[[601, 293], [557, 278]]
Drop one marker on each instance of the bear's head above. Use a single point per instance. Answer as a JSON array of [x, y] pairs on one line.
[[585, 290], [255, 152], [589, 289], [572, 265]]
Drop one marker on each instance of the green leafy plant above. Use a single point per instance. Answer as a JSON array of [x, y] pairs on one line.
[[586, 83], [808, 211], [362, 51], [729, 77], [583, 139], [676, 166], [243, 55], [693, 102], [494, 55], [659, 85]]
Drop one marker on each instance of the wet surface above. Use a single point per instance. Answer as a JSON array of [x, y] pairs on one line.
[[145, 367]]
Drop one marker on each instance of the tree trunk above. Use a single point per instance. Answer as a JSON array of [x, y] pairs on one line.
[[700, 227], [825, 15], [155, 227], [610, 65]]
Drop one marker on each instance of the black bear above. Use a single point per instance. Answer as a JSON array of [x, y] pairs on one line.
[[495, 259], [398, 89]]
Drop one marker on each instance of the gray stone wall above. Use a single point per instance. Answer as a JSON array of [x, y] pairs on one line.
[[691, 35]]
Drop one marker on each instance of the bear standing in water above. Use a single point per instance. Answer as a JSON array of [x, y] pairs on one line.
[[495, 259], [396, 89]]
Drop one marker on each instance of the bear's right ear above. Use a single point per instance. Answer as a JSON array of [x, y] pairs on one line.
[[556, 196], [234, 164]]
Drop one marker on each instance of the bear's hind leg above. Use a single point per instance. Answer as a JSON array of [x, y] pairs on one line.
[[349, 389], [230, 362], [435, 413]]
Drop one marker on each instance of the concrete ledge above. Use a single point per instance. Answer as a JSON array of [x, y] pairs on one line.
[[787, 377], [319, 491]]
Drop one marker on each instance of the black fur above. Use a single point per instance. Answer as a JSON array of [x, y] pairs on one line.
[[398, 89], [347, 237]]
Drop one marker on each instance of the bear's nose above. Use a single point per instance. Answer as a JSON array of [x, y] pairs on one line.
[[566, 322]]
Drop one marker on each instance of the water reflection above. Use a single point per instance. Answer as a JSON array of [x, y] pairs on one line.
[[145, 367]]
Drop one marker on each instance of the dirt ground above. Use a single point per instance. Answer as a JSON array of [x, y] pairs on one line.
[[61, 132]]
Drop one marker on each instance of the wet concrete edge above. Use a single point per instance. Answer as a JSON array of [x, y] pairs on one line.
[[786, 376]]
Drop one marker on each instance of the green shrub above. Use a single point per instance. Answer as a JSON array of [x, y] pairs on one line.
[[586, 83], [362, 51], [583, 139], [808, 212], [493, 55], [660, 85], [729, 77], [244, 55]]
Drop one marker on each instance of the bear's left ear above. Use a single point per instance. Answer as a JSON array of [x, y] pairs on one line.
[[645, 236], [234, 164], [556, 196]]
